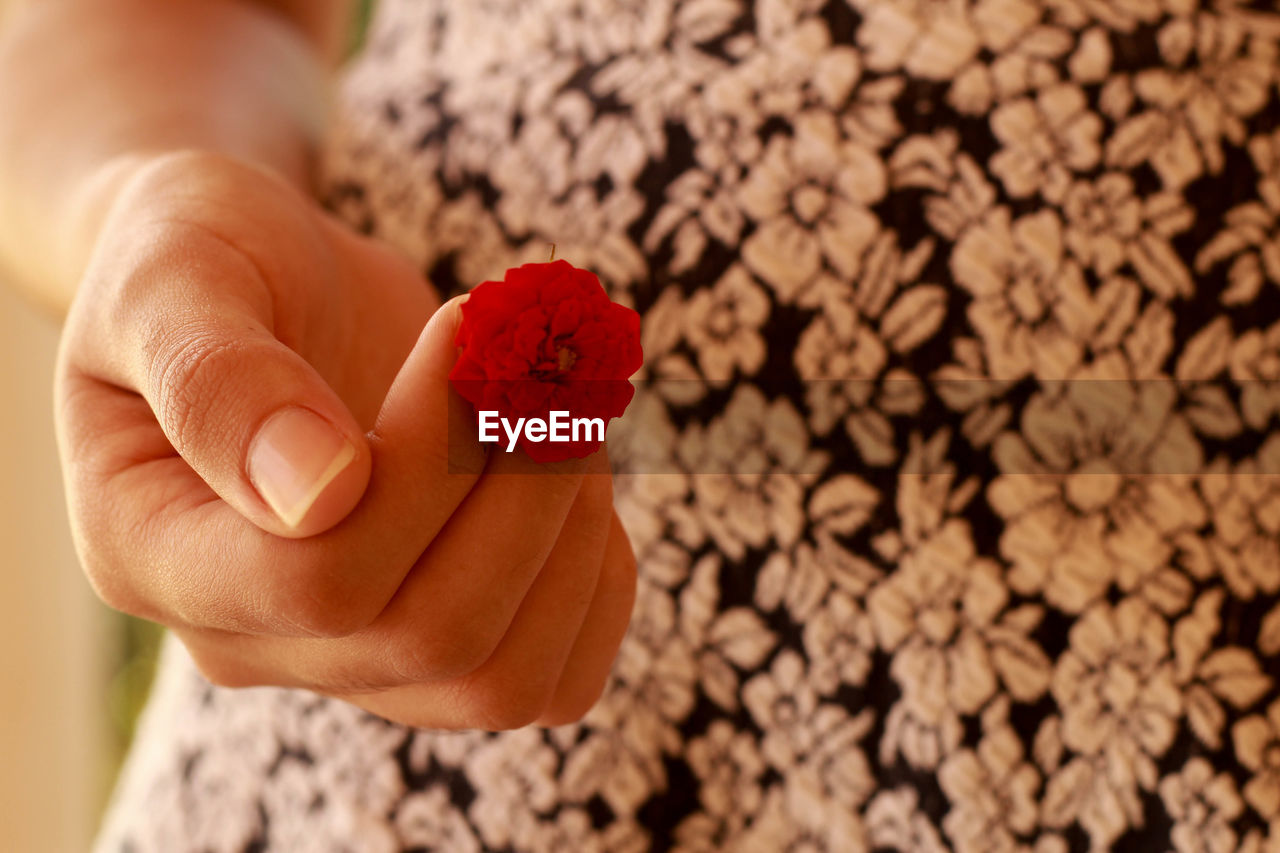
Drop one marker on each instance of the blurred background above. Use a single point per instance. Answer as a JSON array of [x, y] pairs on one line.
[[75, 675], [73, 672]]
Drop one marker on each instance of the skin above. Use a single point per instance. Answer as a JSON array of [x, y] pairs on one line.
[[203, 290]]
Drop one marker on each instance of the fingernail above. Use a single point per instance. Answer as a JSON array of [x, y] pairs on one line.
[[294, 456]]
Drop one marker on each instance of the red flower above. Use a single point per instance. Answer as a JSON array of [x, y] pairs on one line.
[[547, 338]]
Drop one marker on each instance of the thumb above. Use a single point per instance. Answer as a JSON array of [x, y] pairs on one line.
[[252, 417]]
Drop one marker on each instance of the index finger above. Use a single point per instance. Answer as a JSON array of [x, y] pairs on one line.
[[176, 553]]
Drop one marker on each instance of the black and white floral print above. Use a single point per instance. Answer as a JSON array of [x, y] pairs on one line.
[[957, 508]]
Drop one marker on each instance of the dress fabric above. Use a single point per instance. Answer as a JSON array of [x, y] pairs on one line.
[[1012, 585]]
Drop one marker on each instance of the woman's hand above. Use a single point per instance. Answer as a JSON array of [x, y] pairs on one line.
[[259, 453]]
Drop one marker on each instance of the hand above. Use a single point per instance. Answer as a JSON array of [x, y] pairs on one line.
[[255, 439]]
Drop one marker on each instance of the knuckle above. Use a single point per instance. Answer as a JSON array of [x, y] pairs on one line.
[[308, 614], [512, 703], [188, 373], [317, 614], [521, 562], [447, 650], [321, 600], [573, 709]]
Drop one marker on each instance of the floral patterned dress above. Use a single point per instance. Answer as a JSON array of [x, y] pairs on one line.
[[957, 508]]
